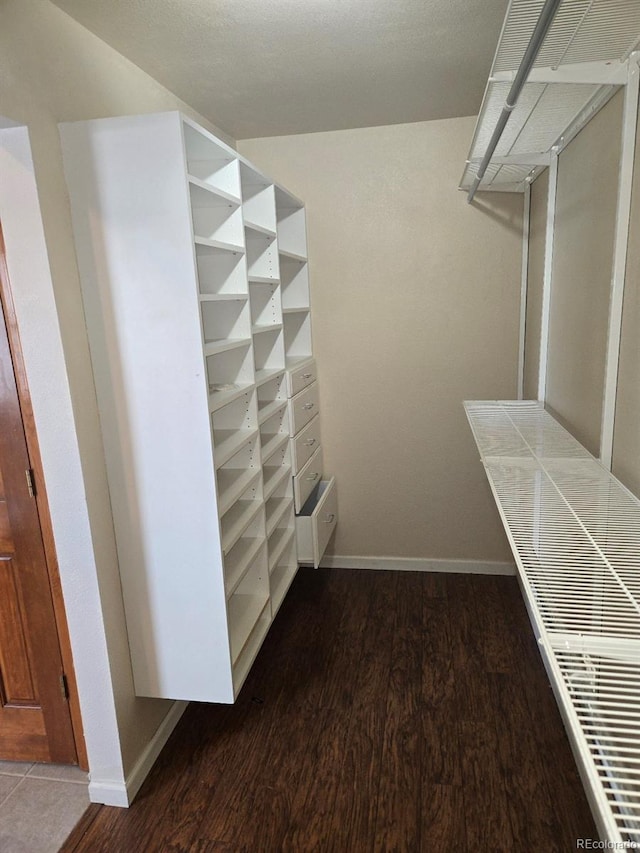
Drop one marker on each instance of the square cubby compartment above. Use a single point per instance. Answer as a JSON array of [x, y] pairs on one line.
[[280, 537], [282, 574], [294, 276], [275, 470], [239, 557], [279, 505], [241, 514], [220, 271], [262, 257], [292, 235], [266, 308], [226, 320], [297, 334], [271, 395], [246, 605], [236, 475], [274, 431], [210, 162], [233, 425], [230, 370], [258, 202], [215, 218], [268, 348]]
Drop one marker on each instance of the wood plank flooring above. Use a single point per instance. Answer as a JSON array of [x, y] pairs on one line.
[[385, 712]]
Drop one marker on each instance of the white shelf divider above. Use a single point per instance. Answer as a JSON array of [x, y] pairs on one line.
[[235, 248]]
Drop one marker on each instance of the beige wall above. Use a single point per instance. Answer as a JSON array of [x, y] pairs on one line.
[[535, 281], [582, 261], [626, 436], [415, 309], [52, 70]]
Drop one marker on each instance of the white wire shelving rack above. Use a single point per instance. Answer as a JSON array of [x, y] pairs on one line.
[[581, 64], [575, 533]]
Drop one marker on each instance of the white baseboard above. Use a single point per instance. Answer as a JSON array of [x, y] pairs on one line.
[[418, 564], [109, 793], [113, 793]]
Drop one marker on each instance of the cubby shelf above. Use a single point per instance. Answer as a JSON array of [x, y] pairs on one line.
[[224, 297], [236, 520], [296, 361], [294, 256], [239, 559], [244, 611], [274, 477], [226, 198], [262, 279], [228, 442], [218, 399], [220, 244], [278, 541], [259, 229], [263, 376], [278, 441], [260, 330], [303, 309], [224, 345], [242, 663], [267, 409], [232, 482], [281, 579], [276, 510]]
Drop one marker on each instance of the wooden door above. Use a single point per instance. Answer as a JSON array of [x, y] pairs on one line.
[[35, 719]]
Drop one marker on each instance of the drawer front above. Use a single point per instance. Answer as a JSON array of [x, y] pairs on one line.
[[303, 407], [305, 444], [305, 481], [314, 531], [301, 377]]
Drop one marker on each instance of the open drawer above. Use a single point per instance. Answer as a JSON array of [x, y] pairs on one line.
[[316, 522]]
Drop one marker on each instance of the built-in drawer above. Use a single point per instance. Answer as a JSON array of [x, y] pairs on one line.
[[301, 377], [303, 407], [317, 522], [307, 479], [305, 444]]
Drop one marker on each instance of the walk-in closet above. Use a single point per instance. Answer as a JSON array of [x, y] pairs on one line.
[[322, 328]]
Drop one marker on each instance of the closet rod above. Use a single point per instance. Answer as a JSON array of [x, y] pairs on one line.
[[533, 48]]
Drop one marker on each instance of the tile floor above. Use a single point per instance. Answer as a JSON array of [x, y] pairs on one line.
[[39, 805]]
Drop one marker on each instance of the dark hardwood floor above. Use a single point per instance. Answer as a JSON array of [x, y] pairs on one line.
[[385, 712]]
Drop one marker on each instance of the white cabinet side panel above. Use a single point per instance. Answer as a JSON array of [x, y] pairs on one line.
[[132, 227]]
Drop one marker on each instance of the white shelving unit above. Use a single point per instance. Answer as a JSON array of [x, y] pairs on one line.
[[292, 252], [314, 499], [180, 244]]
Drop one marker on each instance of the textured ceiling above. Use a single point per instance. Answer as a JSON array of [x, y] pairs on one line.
[[271, 67]]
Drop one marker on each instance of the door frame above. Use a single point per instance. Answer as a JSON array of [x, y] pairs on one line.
[[51, 560]]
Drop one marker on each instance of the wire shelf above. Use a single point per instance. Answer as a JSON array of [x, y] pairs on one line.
[[590, 37], [575, 533]]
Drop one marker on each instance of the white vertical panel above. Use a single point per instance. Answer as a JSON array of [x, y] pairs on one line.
[[130, 207], [548, 275], [629, 123], [523, 288]]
